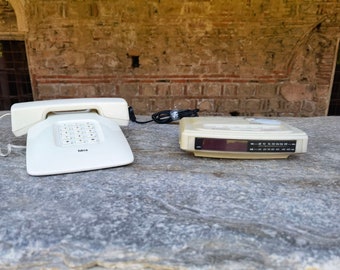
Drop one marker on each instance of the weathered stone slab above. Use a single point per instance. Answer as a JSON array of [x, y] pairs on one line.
[[171, 210]]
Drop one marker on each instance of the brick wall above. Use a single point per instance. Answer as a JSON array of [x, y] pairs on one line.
[[7, 17], [251, 57]]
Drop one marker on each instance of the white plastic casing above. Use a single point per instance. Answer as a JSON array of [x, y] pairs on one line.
[[239, 128], [71, 135], [26, 114], [48, 153]]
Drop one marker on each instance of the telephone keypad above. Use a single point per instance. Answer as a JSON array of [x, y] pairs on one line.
[[77, 133]]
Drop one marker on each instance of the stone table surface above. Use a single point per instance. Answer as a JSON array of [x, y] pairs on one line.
[[171, 210]]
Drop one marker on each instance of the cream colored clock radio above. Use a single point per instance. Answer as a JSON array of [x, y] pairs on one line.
[[240, 138]]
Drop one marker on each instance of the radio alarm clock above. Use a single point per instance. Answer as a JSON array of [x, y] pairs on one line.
[[240, 138]]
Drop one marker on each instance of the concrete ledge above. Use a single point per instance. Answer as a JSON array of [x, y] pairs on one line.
[[171, 210]]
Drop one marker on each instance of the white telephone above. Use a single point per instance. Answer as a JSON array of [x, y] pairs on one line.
[[72, 135]]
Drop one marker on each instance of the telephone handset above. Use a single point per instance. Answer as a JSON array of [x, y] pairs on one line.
[[72, 135]]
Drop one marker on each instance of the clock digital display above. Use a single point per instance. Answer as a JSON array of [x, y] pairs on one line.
[[233, 145], [221, 145]]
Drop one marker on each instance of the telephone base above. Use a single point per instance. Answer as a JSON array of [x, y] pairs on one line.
[[67, 143]]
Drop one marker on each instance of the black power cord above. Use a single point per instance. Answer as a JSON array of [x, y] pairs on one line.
[[166, 116]]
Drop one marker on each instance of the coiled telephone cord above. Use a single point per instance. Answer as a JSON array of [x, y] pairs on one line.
[[9, 146], [166, 116]]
